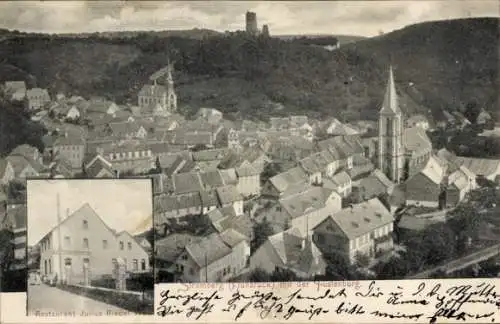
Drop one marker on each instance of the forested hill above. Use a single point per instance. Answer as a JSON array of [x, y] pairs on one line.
[[438, 65]]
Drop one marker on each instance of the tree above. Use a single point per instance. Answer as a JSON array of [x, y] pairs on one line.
[[362, 259], [259, 275], [270, 170], [283, 275], [261, 231], [339, 267]]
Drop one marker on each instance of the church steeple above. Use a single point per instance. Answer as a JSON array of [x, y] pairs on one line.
[[390, 141], [390, 106]]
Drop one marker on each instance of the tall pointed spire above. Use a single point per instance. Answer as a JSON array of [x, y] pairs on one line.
[[169, 71], [390, 104]]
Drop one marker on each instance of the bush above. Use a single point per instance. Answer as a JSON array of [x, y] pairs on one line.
[[132, 303]]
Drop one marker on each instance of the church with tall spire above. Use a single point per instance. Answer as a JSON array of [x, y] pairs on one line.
[[391, 151], [159, 99]]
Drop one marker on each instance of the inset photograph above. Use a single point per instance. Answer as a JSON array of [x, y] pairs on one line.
[[92, 245]]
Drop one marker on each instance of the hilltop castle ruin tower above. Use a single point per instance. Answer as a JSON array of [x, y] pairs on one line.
[[265, 31], [251, 23]]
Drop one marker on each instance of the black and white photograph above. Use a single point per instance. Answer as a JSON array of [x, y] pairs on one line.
[[284, 141], [91, 245]]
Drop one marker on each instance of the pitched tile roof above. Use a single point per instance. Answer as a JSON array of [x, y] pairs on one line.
[[246, 171], [203, 255], [16, 217], [229, 175], [4, 163], [228, 194], [375, 185], [292, 177], [288, 245], [433, 171], [362, 218], [302, 203], [341, 178], [416, 140], [232, 237], [187, 182], [210, 155], [24, 150], [211, 179], [172, 246], [484, 167]]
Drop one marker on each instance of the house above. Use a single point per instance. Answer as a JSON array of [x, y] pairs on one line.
[[70, 146], [425, 187], [334, 127], [143, 241], [176, 206], [488, 168], [167, 251], [226, 218], [211, 115], [483, 118], [15, 90], [341, 183], [248, 180], [289, 250], [252, 155], [225, 259], [99, 167], [288, 148], [285, 183], [126, 130], [97, 109], [209, 159], [24, 168], [7, 173], [312, 169], [88, 249], [37, 98], [304, 210], [128, 156], [72, 113], [61, 168], [230, 196], [375, 185], [459, 183], [362, 229], [15, 222], [28, 151], [418, 121]]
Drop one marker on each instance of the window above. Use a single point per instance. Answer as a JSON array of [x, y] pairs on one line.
[[191, 271], [85, 243], [135, 265], [143, 264], [129, 245], [125, 263], [67, 261], [104, 244], [67, 241], [113, 261], [85, 224], [121, 245], [50, 266]]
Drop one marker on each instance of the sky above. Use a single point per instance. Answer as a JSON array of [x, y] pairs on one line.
[[123, 205], [363, 18]]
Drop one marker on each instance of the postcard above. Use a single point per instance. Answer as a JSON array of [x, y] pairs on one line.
[[260, 161]]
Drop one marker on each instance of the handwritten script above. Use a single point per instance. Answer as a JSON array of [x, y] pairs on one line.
[[429, 301]]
